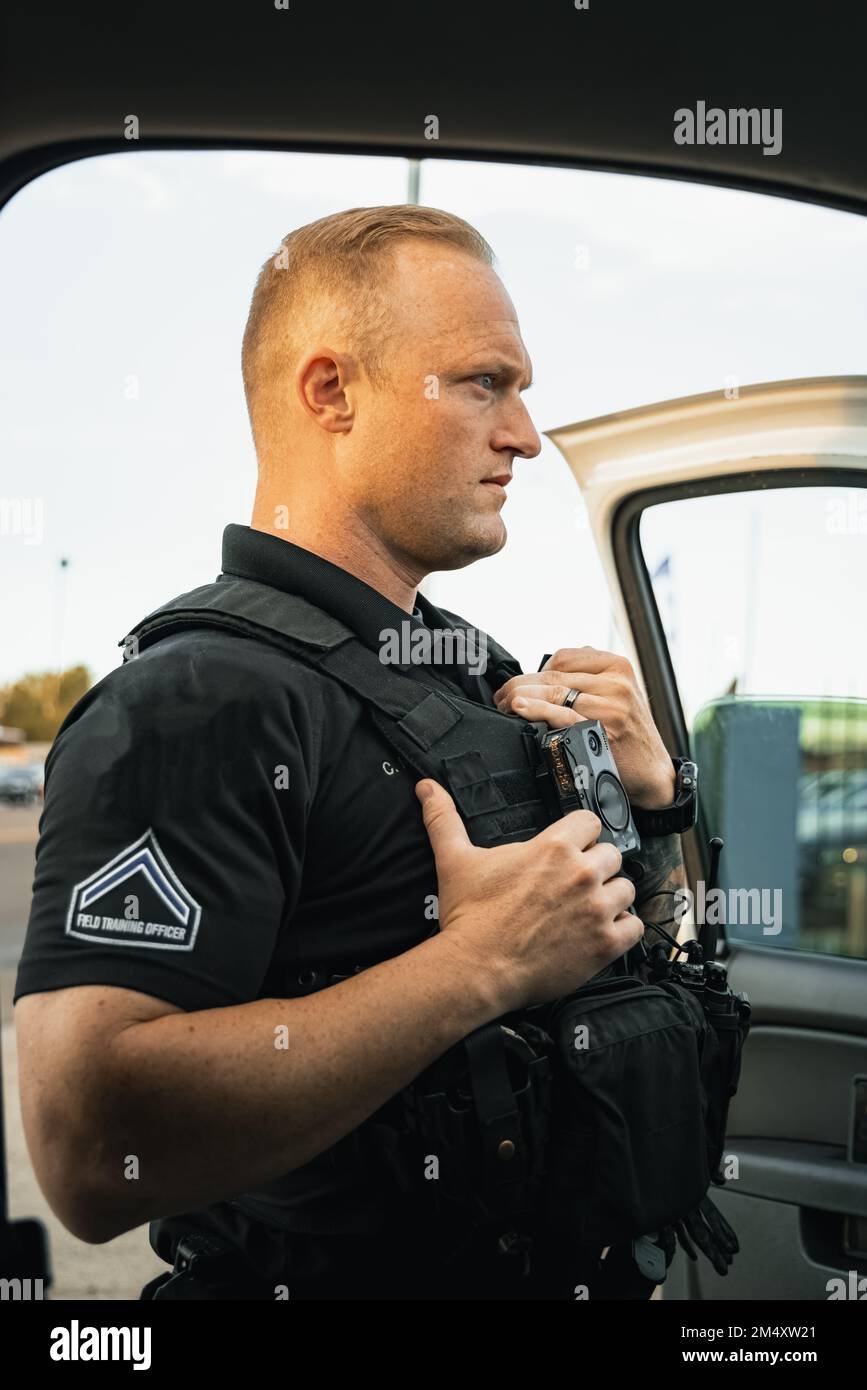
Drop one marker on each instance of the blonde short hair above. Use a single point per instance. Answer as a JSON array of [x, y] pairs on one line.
[[342, 261]]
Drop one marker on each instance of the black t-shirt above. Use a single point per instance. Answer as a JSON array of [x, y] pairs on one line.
[[219, 817]]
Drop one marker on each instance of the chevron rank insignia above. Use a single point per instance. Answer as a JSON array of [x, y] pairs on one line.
[[136, 899]]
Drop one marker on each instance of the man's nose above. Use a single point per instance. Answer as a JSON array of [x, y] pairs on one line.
[[520, 434]]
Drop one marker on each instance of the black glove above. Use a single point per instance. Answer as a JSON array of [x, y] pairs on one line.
[[711, 1232], [669, 1243]]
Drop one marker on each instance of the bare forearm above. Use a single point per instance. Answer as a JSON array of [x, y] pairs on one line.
[[218, 1102]]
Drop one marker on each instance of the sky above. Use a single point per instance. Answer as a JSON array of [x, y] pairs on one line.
[[125, 447]]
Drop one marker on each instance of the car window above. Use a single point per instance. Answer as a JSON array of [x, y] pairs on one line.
[[759, 594], [126, 280]]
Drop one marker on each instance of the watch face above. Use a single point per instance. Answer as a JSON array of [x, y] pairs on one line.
[[687, 781], [687, 778]]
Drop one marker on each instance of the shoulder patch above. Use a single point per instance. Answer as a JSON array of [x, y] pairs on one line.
[[136, 899]]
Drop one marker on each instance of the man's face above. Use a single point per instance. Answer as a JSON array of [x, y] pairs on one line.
[[425, 447]]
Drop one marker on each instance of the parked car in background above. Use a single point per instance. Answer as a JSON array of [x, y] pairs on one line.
[[22, 784]]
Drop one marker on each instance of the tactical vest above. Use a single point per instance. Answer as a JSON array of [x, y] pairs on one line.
[[487, 760], [492, 766]]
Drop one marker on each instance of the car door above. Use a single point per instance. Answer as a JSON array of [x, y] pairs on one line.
[[733, 531]]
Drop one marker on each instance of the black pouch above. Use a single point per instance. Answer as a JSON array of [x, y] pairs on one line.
[[477, 1193], [629, 1151], [720, 1069]]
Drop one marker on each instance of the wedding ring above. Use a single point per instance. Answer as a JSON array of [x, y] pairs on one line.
[[571, 697]]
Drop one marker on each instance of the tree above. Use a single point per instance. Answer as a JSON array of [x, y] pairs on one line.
[[39, 702]]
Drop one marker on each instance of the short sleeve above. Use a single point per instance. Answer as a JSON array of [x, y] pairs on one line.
[[172, 839]]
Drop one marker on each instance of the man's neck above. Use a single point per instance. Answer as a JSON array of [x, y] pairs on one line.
[[355, 550]]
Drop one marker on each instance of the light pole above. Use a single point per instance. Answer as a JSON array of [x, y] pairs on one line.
[[60, 610], [413, 180]]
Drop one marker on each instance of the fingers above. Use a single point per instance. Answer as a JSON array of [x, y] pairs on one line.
[[600, 860], [446, 831], [683, 1238], [621, 895], [553, 686], [583, 828], [711, 1233], [556, 715], [701, 1234], [605, 857], [704, 1236], [590, 659], [698, 1232], [721, 1229]]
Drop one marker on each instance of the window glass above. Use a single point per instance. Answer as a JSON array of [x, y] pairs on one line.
[[126, 279], [759, 595]]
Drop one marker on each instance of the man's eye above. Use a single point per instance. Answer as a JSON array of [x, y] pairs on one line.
[[486, 377]]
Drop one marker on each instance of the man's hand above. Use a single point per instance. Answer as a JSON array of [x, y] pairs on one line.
[[610, 693], [538, 918]]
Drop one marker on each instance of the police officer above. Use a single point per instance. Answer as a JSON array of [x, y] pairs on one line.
[[247, 934]]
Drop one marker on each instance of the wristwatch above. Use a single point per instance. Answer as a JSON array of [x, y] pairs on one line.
[[681, 814]]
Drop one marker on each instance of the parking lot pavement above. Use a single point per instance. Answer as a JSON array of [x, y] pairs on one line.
[[18, 833]]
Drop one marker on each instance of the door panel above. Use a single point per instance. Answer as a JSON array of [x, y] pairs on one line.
[[776, 1261], [783, 768]]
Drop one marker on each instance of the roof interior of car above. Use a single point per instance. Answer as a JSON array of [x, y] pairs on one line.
[[535, 82]]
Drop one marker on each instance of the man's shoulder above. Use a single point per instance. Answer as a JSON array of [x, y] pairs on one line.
[[191, 678], [231, 660], [226, 655]]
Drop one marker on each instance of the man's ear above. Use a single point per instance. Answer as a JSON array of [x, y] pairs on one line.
[[322, 379]]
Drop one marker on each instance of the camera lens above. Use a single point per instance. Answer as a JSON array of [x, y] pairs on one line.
[[593, 742], [611, 802]]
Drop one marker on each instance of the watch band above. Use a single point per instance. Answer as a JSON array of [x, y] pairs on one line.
[[681, 814]]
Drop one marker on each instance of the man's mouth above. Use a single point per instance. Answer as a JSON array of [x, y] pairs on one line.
[[502, 480]]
